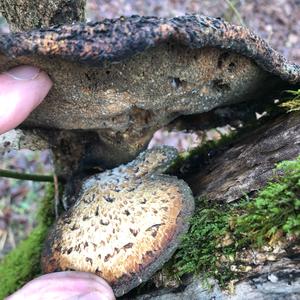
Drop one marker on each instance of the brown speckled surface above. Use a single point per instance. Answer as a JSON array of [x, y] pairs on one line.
[[116, 39], [125, 224], [123, 79]]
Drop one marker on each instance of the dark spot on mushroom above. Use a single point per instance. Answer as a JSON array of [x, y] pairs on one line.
[[70, 250], [74, 227], [97, 211], [154, 229], [221, 59], [88, 259], [108, 198], [99, 256], [88, 76], [144, 201], [84, 218], [86, 244], [220, 85], [95, 246], [150, 253], [126, 212], [134, 232], [231, 67], [128, 246], [107, 257], [176, 83], [105, 223]]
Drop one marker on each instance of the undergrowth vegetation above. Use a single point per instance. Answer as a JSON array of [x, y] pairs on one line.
[[219, 232], [23, 263]]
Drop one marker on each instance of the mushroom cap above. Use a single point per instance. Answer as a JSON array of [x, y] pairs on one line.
[[118, 81], [106, 74], [125, 224]]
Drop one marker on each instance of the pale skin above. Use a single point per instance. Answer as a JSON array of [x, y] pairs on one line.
[[22, 89]]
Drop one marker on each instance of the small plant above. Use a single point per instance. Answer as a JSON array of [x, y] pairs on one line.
[[292, 104]]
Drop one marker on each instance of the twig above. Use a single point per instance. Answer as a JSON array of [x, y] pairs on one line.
[[11, 238], [235, 11], [3, 238], [25, 176]]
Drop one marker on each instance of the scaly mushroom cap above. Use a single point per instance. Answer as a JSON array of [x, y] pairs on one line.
[[125, 224]]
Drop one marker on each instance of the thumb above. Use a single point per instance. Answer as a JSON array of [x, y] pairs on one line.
[[22, 89]]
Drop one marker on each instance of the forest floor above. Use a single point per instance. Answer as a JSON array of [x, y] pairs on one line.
[[277, 21]]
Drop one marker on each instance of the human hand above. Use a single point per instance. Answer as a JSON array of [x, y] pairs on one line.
[[22, 89], [65, 286]]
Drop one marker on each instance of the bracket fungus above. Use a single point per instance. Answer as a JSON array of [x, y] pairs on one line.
[[125, 224], [115, 83], [123, 79]]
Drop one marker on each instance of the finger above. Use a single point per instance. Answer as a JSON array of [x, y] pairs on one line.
[[22, 89], [65, 286]]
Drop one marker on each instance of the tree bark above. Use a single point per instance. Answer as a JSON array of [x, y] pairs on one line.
[[242, 168], [245, 167]]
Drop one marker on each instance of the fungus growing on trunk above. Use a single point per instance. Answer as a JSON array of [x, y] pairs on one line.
[[123, 79], [125, 224]]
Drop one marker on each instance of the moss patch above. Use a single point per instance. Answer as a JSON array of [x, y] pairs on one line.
[[23, 263], [292, 103], [218, 233]]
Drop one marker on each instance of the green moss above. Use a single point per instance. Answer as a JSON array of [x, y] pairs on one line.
[[187, 161], [219, 232], [292, 103], [23, 263], [275, 209]]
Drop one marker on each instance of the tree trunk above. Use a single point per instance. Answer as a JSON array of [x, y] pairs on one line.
[[245, 167]]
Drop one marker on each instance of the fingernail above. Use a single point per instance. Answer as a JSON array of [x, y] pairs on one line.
[[24, 73], [93, 296]]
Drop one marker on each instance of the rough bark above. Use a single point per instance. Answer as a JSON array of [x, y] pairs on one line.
[[249, 163], [280, 280]]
